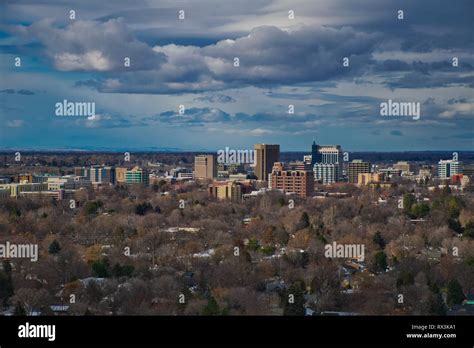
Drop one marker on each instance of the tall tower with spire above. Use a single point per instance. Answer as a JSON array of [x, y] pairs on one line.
[[315, 156]]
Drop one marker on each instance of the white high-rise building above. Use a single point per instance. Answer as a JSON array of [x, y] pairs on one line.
[[328, 163], [447, 168], [326, 173]]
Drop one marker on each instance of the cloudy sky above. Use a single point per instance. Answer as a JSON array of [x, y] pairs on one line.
[[282, 61]]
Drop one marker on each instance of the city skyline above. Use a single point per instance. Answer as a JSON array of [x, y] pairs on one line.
[[241, 159], [283, 62]]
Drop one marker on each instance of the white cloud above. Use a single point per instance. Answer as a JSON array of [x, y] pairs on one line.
[[15, 123], [92, 60], [459, 110], [92, 45]]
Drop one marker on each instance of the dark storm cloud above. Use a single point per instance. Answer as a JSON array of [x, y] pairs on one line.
[[20, 91], [25, 92], [8, 91], [465, 136], [396, 133], [328, 114], [267, 56], [216, 98], [270, 55], [192, 116], [416, 79], [457, 101]]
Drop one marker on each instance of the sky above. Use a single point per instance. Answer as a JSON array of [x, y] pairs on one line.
[[283, 60]]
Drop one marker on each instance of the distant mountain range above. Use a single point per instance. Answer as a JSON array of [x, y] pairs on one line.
[[394, 156], [370, 156]]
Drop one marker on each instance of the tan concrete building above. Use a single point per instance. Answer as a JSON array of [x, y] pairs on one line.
[[230, 190], [24, 178], [404, 166], [121, 175], [15, 188], [267, 155], [205, 167], [370, 178], [355, 168]]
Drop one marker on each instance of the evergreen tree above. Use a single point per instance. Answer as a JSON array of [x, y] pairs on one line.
[[469, 230], [378, 239], [293, 300], [212, 308], [6, 287], [408, 201], [101, 268], [54, 248], [455, 293], [380, 261], [304, 221], [419, 211], [435, 302]]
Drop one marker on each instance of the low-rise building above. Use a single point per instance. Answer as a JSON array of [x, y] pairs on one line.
[[403, 166], [16, 188], [24, 178], [369, 178], [4, 193], [121, 175], [137, 175], [48, 195], [226, 190]]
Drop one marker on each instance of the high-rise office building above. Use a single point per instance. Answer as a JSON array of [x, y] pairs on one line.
[[205, 167], [355, 167], [326, 173], [300, 182], [267, 155], [447, 168], [330, 154], [328, 163], [315, 155]]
